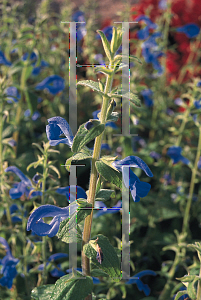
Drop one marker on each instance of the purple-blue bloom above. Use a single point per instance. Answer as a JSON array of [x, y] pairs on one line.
[[12, 94], [114, 209], [137, 188], [147, 94], [105, 146], [25, 186], [35, 115], [39, 227], [53, 84], [58, 126], [55, 272], [37, 70], [95, 280], [78, 16], [32, 57], [108, 124], [174, 153], [3, 60], [162, 4], [155, 155], [197, 103], [142, 34], [141, 286], [72, 192], [199, 163], [190, 30], [8, 266]]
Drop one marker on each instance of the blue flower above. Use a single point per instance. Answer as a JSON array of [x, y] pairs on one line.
[[95, 280], [32, 57], [138, 188], [105, 146], [116, 208], [151, 54], [13, 209], [174, 153], [37, 70], [197, 103], [78, 16], [12, 143], [146, 94], [190, 30], [155, 155], [12, 94], [55, 272], [8, 266], [25, 186], [162, 4], [35, 115], [199, 163], [53, 84], [56, 127], [142, 34], [69, 192], [108, 124], [39, 227], [3, 60], [141, 286]]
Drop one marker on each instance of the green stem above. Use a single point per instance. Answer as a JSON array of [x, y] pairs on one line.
[[199, 282], [19, 107], [44, 238], [192, 185], [93, 177]]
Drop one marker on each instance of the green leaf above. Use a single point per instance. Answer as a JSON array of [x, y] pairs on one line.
[[43, 292], [8, 131], [106, 44], [113, 117], [84, 136], [33, 98], [110, 263], [98, 273], [109, 174], [133, 98], [191, 289], [93, 85], [188, 278], [132, 58], [77, 156], [71, 288], [103, 70], [179, 294], [39, 147], [83, 211], [55, 170], [104, 195]]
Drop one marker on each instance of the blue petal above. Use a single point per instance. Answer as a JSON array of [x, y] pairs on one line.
[[190, 30], [5, 244], [54, 84], [148, 22], [19, 173], [143, 34], [136, 162], [57, 256], [3, 60], [56, 127]]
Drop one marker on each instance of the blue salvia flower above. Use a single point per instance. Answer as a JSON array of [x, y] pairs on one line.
[[114, 209], [137, 188], [197, 103], [108, 124], [39, 227], [37, 70], [141, 286], [106, 147], [3, 60], [53, 84], [174, 153], [58, 126], [12, 94], [190, 30], [199, 163], [72, 192], [199, 83], [12, 143], [25, 186], [8, 266], [155, 155], [35, 115], [78, 16], [143, 34], [13, 209], [147, 94], [151, 53], [32, 57], [55, 272], [162, 4], [95, 280]]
